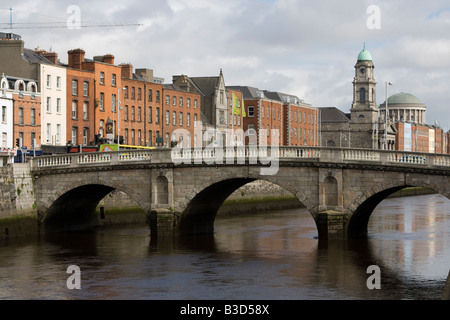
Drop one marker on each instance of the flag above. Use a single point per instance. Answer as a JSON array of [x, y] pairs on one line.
[[243, 110], [235, 106]]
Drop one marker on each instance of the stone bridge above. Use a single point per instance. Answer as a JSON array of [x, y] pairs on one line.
[[182, 189]]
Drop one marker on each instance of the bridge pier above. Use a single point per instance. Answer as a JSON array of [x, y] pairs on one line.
[[331, 224], [162, 221]]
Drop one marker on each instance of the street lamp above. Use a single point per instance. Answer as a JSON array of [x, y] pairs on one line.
[[118, 118], [386, 115]]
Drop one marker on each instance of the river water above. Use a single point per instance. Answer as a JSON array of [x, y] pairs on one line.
[[274, 255]]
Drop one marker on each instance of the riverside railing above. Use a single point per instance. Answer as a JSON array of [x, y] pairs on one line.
[[229, 155]]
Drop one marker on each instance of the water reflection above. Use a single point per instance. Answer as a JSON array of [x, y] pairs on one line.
[[265, 256]]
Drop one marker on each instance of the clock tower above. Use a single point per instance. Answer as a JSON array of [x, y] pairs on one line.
[[364, 108]]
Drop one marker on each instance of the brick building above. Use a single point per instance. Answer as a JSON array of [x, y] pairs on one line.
[[81, 107], [181, 110]]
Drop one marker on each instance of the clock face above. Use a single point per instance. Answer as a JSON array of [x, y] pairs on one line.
[[362, 70]]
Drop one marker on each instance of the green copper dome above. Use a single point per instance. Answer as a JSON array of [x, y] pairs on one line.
[[402, 98], [364, 55]]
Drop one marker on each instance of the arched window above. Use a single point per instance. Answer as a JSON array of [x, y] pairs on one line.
[[362, 94]]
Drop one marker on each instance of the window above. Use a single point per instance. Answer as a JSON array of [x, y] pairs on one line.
[[167, 100], [33, 117], [262, 112], [113, 80], [150, 138], [251, 111], [133, 93], [58, 133], [139, 114], [49, 104], [174, 118], [33, 139], [102, 101], [126, 113], [251, 129], [139, 138], [181, 119], [101, 127], [362, 94], [102, 78], [58, 105], [167, 117], [86, 88], [85, 110], [157, 96], [4, 114], [74, 87], [74, 135], [113, 103], [85, 136], [150, 115], [20, 115], [150, 95], [195, 104], [132, 113], [268, 112], [174, 101], [126, 92], [132, 137], [139, 94], [195, 120], [157, 115], [188, 119], [74, 109], [126, 136], [58, 82], [49, 81], [188, 102], [49, 132], [181, 101]]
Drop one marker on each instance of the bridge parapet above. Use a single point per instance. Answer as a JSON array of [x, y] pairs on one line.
[[241, 155]]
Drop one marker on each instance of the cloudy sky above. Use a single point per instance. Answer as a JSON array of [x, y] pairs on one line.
[[305, 48]]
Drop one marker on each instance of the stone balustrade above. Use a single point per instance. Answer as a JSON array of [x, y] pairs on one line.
[[209, 155]]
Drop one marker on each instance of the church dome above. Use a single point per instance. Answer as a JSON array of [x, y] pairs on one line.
[[364, 55], [403, 98]]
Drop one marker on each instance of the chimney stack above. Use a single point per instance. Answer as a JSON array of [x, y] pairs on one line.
[[108, 58], [76, 58], [50, 56], [127, 71]]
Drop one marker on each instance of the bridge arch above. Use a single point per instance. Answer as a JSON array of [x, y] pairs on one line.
[[73, 207], [362, 207], [200, 207]]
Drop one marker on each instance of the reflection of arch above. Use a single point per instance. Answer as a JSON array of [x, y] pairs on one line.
[[162, 190], [331, 191], [366, 204]]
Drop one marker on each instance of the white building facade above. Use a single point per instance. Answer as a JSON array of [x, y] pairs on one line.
[[54, 103]]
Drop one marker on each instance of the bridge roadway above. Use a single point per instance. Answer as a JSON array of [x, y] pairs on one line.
[[181, 190]]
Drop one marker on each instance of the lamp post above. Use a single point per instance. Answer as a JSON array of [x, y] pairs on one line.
[[386, 116], [118, 118]]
